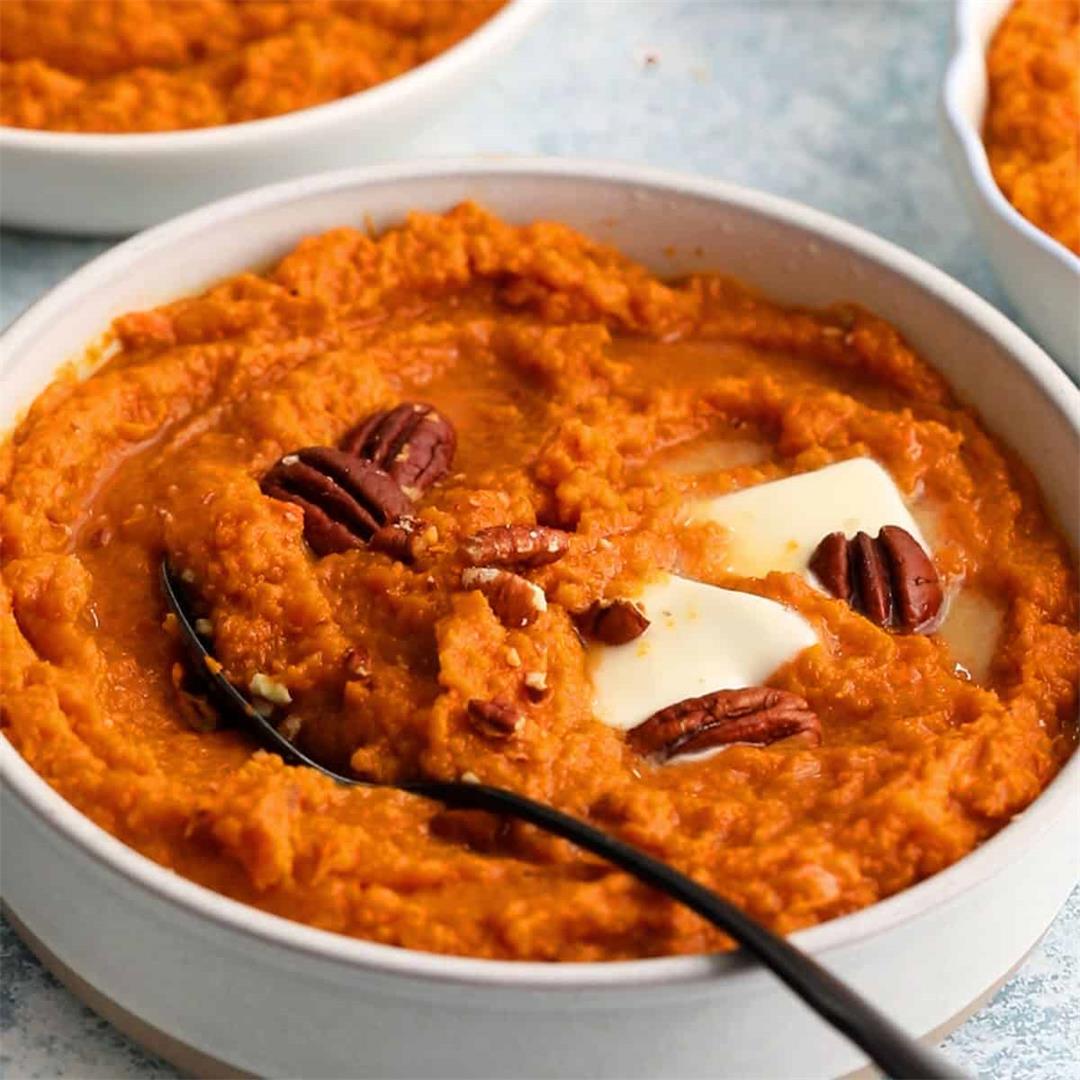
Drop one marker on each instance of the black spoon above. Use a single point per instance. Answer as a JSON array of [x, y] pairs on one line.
[[891, 1049]]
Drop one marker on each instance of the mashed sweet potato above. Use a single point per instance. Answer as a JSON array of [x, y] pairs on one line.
[[1033, 115], [572, 376], [162, 65]]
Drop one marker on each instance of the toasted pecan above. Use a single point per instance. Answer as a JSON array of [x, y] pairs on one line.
[[495, 719], [758, 715], [413, 442], [891, 579], [515, 601], [520, 546], [613, 622], [345, 500]]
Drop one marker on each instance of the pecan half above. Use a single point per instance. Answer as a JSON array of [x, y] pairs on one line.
[[891, 580], [496, 719], [345, 500], [515, 601], [613, 622], [516, 545], [412, 442], [757, 715]]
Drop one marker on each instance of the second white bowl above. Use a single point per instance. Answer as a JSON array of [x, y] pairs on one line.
[[104, 185], [1041, 276]]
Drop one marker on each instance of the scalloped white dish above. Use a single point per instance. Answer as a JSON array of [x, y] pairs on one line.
[[114, 184], [272, 997], [1040, 275]]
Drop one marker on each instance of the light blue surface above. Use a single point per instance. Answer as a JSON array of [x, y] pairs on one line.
[[830, 103]]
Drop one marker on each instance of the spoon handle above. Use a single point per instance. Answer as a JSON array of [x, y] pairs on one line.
[[894, 1051]]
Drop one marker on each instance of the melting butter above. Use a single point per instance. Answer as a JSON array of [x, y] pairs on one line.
[[777, 526], [701, 638], [972, 629]]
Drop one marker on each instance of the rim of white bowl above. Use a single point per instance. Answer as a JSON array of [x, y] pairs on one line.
[[966, 65], [503, 28], [242, 919]]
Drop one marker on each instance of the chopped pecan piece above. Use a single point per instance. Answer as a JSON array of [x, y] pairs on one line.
[[891, 580], [412, 442], [515, 601], [757, 715], [357, 662], [345, 500], [290, 727], [496, 719], [262, 686], [524, 546], [613, 622], [536, 686], [398, 538]]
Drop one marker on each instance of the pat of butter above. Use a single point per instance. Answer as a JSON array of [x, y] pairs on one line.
[[777, 526], [701, 638]]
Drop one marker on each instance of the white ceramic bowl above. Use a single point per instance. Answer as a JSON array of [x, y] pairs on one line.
[[274, 997], [87, 184], [1041, 276]]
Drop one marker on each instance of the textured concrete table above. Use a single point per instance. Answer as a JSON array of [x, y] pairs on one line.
[[833, 104]]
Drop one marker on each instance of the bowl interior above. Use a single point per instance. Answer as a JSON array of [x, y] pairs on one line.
[[675, 225]]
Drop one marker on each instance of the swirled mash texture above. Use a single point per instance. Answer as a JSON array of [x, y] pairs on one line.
[[588, 395]]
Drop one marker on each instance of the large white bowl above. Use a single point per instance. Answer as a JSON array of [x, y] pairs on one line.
[[1041, 276], [89, 184], [274, 997]]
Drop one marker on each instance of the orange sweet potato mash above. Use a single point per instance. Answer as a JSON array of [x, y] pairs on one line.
[[162, 65], [1033, 114], [575, 379]]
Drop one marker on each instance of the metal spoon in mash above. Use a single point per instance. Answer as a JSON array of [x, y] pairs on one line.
[[891, 1049]]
